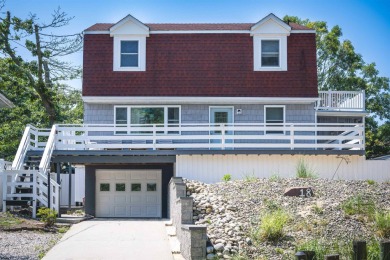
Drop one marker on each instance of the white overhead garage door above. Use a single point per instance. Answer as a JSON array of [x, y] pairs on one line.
[[128, 193]]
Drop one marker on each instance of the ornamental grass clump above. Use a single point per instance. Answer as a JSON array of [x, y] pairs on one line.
[[304, 171], [382, 223], [272, 225]]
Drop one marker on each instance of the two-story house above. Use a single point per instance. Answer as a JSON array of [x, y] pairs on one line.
[[196, 101]]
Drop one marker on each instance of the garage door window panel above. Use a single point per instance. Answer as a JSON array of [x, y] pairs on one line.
[[136, 187], [120, 187], [104, 187], [151, 187]]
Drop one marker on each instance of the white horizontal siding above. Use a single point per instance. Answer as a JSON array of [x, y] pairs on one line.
[[211, 168]]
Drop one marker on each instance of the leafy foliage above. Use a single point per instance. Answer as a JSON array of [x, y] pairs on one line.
[[47, 216], [227, 177], [32, 81]]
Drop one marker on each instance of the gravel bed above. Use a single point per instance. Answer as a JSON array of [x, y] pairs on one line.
[[26, 245], [232, 210]]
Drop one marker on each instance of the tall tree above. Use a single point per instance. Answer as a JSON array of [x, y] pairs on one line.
[[45, 67], [341, 68]]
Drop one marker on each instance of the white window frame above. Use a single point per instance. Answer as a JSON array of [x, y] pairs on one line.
[[141, 106], [141, 53], [257, 66], [265, 118]]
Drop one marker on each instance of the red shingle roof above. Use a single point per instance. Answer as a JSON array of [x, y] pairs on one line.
[[192, 26]]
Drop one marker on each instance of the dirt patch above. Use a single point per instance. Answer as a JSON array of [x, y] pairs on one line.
[[13, 222]]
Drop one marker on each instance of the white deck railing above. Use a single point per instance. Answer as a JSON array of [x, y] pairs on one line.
[[341, 100], [211, 136]]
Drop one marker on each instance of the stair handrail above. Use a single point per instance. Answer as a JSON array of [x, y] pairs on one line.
[[48, 152], [22, 149]]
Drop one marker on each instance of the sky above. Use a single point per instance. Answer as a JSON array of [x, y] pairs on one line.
[[366, 23]]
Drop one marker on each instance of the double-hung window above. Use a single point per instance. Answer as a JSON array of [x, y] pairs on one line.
[[137, 116], [270, 53], [129, 54], [274, 117]]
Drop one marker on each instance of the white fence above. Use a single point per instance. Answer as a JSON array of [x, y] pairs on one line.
[[211, 168]]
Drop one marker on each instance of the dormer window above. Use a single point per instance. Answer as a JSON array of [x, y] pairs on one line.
[[129, 53], [270, 44], [270, 53]]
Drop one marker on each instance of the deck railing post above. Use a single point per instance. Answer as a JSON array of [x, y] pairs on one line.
[[359, 250], [292, 134], [154, 136], [385, 250], [223, 136], [34, 193], [4, 180]]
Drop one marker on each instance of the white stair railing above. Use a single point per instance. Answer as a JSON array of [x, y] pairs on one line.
[[44, 170]]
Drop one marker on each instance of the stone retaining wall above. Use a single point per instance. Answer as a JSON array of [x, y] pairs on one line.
[[192, 238]]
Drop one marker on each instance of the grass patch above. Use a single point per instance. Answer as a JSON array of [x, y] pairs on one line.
[[359, 205], [250, 178], [271, 205], [304, 171], [9, 220], [373, 250], [371, 182], [63, 229], [382, 223], [272, 225], [275, 178], [318, 209], [322, 248]]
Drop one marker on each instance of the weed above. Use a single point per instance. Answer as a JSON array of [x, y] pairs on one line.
[[272, 226], [318, 209], [251, 178], [371, 182], [271, 205], [48, 216], [274, 178], [63, 229], [279, 251], [359, 205], [9, 220], [227, 177], [382, 223], [303, 170], [321, 248]]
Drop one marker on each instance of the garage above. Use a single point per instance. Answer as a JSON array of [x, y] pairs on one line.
[[128, 193]]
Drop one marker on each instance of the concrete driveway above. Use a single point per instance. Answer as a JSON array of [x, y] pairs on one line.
[[114, 239]]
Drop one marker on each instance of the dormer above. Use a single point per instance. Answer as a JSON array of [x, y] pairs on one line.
[[129, 44], [270, 44]]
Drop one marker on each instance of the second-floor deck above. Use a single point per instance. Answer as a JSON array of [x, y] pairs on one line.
[[353, 101]]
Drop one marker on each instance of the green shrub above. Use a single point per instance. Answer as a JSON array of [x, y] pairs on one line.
[[382, 223], [371, 182], [359, 205], [272, 225], [227, 177], [47, 216], [303, 170]]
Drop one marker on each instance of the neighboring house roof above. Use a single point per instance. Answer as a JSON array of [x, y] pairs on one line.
[[4, 102], [192, 26], [384, 157]]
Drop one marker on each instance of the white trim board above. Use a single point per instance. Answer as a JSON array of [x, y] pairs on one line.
[[197, 100]]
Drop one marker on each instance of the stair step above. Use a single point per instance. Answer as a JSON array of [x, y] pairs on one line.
[[22, 190], [18, 202]]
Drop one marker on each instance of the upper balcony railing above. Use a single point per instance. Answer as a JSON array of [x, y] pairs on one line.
[[257, 136], [341, 101]]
